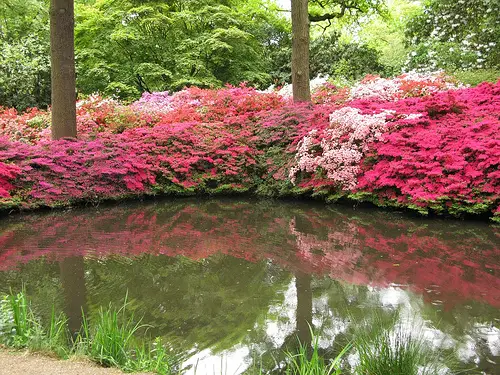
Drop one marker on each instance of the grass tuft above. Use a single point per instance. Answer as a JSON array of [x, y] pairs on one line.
[[307, 361], [396, 351]]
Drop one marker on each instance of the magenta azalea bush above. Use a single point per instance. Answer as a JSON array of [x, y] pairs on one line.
[[418, 142]]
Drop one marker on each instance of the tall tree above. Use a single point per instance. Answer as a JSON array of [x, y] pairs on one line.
[[62, 53], [300, 51], [319, 11]]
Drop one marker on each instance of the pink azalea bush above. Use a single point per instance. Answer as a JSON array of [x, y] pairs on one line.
[[423, 147], [339, 149]]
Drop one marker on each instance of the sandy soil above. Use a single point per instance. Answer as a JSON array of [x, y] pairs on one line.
[[24, 363]]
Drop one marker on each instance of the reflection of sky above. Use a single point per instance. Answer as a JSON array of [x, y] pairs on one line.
[[281, 319], [229, 362]]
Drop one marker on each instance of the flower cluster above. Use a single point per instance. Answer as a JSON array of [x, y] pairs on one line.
[[407, 85], [339, 149], [450, 153], [154, 103]]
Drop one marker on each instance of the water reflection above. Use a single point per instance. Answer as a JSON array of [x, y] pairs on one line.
[[253, 276], [75, 292]]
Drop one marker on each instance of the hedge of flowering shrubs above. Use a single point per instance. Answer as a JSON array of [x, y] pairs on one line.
[[417, 141]]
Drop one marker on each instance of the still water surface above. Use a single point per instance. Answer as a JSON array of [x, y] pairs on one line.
[[228, 281]]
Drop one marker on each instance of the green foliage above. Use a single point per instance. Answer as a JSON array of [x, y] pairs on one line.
[[345, 11], [387, 34], [24, 54], [138, 46], [110, 340], [396, 352], [455, 35], [349, 61], [306, 362], [20, 328], [475, 77]]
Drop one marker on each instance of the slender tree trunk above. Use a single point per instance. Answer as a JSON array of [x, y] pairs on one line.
[[300, 51], [62, 54]]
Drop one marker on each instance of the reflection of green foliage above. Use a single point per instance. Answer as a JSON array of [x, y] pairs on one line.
[[212, 302]]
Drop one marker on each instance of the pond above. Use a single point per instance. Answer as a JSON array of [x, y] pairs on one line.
[[228, 281]]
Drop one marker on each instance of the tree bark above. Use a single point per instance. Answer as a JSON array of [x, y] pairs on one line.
[[62, 56], [300, 51]]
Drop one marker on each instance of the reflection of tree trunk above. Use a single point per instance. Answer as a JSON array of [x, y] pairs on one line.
[[75, 293], [304, 307]]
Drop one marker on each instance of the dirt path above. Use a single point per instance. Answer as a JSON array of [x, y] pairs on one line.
[[24, 363]]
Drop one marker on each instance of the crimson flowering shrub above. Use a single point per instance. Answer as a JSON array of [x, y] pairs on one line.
[[438, 152], [448, 158], [7, 172], [417, 144]]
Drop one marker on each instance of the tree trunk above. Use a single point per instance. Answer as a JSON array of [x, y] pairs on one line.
[[300, 51], [62, 54]]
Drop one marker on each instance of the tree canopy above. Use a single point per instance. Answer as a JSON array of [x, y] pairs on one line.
[[450, 34], [130, 46], [127, 47]]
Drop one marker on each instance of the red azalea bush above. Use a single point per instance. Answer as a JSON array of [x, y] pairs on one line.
[[439, 151]]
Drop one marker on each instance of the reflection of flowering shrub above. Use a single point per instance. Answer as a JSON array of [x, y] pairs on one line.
[[367, 248]]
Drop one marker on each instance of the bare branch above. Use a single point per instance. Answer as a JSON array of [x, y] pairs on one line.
[[327, 16]]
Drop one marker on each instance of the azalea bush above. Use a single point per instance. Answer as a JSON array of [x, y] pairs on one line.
[[418, 141]]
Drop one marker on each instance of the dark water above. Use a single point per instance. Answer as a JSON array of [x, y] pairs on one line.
[[228, 281]]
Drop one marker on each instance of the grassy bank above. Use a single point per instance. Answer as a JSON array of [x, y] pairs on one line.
[[111, 339], [115, 338]]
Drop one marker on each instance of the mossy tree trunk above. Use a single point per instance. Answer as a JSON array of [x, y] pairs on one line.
[[62, 55], [300, 51]]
